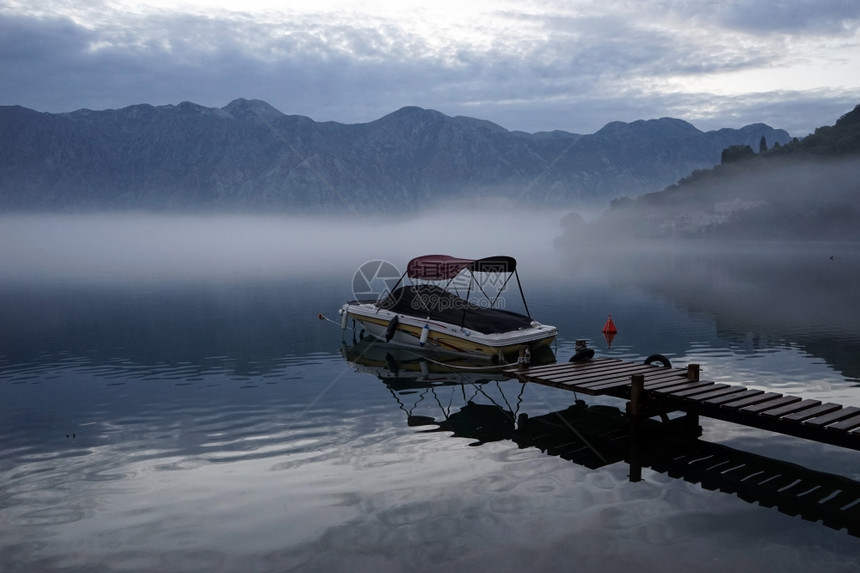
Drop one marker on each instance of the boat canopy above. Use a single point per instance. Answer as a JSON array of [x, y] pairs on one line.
[[443, 267], [436, 303]]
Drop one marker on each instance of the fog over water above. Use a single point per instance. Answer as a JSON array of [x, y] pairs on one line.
[[59, 271], [148, 247]]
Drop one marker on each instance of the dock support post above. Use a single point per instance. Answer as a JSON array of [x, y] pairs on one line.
[[634, 410], [693, 372], [637, 394]]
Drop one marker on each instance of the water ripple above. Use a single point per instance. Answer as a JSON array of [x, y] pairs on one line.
[[251, 448]]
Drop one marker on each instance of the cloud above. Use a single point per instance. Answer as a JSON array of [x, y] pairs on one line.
[[803, 17], [530, 66]]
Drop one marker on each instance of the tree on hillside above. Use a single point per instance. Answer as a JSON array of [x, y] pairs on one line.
[[762, 145], [838, 139], [736, 153]]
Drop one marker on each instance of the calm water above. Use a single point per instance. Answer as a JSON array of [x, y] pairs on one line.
[[153, 419]]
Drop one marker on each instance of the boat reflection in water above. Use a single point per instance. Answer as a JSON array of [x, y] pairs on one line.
[[594, 436]]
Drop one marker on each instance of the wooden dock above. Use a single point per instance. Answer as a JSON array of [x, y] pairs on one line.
[[652, 390], [595, 437]]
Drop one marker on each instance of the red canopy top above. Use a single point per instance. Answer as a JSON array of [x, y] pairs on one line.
[[442, 267]]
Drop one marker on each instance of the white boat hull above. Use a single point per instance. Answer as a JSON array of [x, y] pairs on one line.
[[445, 337]]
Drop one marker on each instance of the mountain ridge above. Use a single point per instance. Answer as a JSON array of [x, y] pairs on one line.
[[249, 156]]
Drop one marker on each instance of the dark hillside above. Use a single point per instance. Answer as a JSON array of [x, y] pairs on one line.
[[840, 139], [807, 189]]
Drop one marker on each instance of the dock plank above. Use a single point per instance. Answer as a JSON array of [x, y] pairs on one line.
[[834, 416], [546, 368], [791, 408], [846, 424], [746, 393], [721, 392], [598, 364], [581, 380], [598, 373], [598, 388], [663, 384], [771, 404], [653, 379], [626, 376], [604, 387], [596, 380], [607, 389], [692, 392], [750, 400], [811, 412], [561, 369], [567, 375], [650, 380], [683, 387]]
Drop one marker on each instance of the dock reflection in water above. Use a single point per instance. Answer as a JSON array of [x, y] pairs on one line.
[[485, 406]]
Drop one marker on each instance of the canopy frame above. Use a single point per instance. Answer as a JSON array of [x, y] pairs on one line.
[[442, 267]]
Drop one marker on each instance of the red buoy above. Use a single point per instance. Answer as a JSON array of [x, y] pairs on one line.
[[609, 327]]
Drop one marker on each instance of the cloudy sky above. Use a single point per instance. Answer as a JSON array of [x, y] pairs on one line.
[[524, 64]]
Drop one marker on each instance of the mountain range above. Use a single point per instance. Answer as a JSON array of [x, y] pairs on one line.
[[248, 156]]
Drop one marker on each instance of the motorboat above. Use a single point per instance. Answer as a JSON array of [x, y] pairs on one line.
[[453, 306]]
